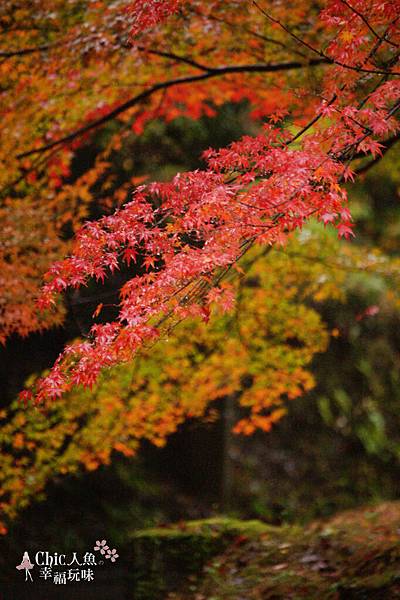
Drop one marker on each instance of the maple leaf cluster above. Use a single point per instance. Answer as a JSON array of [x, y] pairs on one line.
[[146, 14], [258, 190], [257, 353], [69, 74], [321, 83], [190, 231], [184, 236]]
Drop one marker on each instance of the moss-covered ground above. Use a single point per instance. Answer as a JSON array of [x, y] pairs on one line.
[[353, 556]]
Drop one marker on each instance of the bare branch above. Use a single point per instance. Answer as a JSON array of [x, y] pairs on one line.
[[288, 31]]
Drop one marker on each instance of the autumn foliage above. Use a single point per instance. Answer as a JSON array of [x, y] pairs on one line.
[[322, 83], [259, 190]]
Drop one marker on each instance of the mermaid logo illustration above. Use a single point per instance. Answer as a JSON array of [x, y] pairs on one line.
[[27, 565]]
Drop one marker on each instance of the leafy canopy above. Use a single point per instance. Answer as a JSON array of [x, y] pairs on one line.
[[185, 235], [79, 82]]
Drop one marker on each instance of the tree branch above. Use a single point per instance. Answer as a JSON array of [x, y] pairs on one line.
[[372, 30], [24, 51], [210, 73], [389, 143], [357, 68], [177, 57], [256, 34]]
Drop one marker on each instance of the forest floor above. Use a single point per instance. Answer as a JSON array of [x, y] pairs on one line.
[[352, 556]]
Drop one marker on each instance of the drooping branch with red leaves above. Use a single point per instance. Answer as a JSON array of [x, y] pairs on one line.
[[186, 234]]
